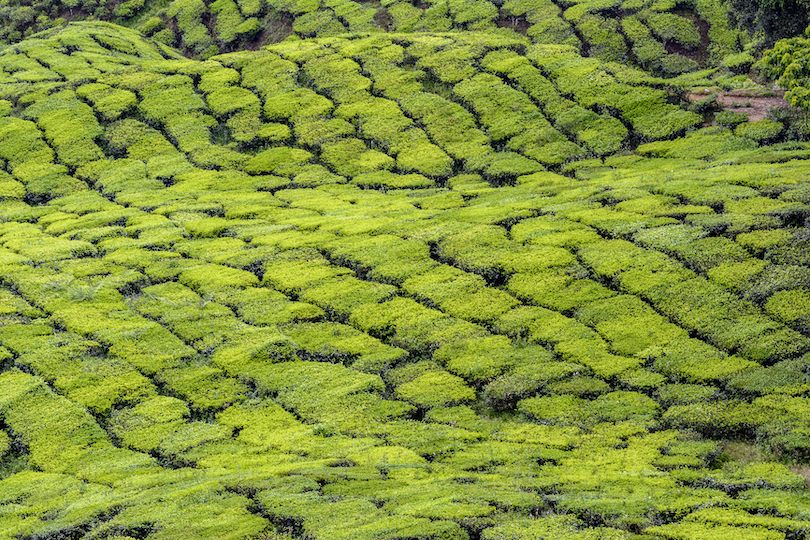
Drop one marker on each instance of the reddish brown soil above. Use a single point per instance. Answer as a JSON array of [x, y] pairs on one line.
[[755, 107], [518, 24]]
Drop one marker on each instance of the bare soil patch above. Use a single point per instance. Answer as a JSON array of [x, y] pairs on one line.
[[518, 24], [754, 104], [384, 19]]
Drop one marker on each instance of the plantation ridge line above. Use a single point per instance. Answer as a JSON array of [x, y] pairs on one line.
[[336, 270]]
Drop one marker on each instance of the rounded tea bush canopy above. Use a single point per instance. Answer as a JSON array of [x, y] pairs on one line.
[[443, 271]]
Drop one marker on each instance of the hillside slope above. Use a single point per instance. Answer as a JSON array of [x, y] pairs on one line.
[[664, 36], [395, 286]]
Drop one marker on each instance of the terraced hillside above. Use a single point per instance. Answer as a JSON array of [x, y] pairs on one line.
[[393, 286], [665, 36]]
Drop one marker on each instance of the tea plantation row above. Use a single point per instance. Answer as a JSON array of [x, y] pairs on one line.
[[347, 288], [665, 36]]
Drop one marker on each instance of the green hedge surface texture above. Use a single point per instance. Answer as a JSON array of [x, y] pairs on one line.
[[370, 284], [666, 37]]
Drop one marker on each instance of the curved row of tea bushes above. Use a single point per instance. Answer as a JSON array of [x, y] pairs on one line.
[[190, 251], [782, 351], [140, 425], [779, 350], [187, 111], [729, 363], [660, 38], [286, 511], [151, 425], [602, 134], [289, 352]]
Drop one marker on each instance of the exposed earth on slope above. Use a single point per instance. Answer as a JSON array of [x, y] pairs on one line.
[[755, 104]]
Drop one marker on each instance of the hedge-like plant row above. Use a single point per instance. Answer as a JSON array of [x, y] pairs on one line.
[[659, 36], [331, 290]]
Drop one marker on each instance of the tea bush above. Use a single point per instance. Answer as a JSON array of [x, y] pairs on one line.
[[446, 286], [328, 288]]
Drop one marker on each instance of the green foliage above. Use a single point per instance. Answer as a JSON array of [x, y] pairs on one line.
[[759, 131], [434, 389], [671, 27], [700, 253], [739, 62], [450, 125], [526, 379], [327, 289], [569, 291], [159, 424], [138, 140], [279, 160], [687, 531], [63, 447], [779, 19], [67, 503], [226, 100], [316, 131], [685, 359], [780, 377], [785, 63], [350, 157], [734, 323], [786, 307], [69, 125], [630, 325], [76, 368], [460, 294], [730, 118], [109, 101], [684, 393], [385, 258], [603, 36], [412, 326], [567, 409], [558, 526], [21, 141], [485, 358]]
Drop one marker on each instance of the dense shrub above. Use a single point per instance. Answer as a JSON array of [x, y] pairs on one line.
[[328, 289]]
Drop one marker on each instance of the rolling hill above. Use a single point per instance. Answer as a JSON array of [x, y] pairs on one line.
[[432, 271]]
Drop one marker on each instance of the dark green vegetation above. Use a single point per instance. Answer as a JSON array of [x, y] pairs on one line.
[[396, 286], [772, 19]]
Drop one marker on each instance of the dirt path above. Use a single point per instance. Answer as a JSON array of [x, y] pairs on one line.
[[754, 104]]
